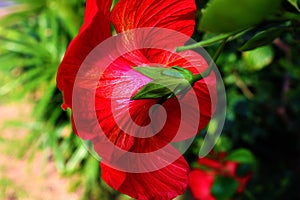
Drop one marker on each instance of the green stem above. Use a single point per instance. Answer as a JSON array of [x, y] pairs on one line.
[[219, 50], [210, 66], [210, 41]]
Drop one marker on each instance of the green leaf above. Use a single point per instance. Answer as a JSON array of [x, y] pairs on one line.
[[157, 73], [224, 187], [68, 17], [151, 72], [57, 153], [14, 34], [258, 58], [262, 38], [162, 88], [42, 105], [91, 170], [76, 158], [295, 3], [152, 90], [167, 82], [241, 156], [183, 73], [231, 15]]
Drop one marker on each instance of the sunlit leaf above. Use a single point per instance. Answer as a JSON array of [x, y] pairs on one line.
[[76, 158], [231, 15], [241, 156], [258, 58]]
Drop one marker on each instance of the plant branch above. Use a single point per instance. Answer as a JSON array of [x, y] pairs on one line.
[[210, 41], [244, 88], [211, 64]]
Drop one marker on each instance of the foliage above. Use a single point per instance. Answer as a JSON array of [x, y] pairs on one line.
[[33, 41], [259, 66], [261, 74]]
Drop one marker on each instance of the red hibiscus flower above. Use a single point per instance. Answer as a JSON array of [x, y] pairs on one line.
[[202, 179], [119, 112]]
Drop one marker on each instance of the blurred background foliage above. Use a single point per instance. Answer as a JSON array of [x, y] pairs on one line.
[[259, 64]]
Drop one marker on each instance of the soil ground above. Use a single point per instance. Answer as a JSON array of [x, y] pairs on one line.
[[22, 178]]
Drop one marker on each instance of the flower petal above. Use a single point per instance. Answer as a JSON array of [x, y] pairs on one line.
[[95, 29], [210, 163], [178, 15], [163, 184], [204, 89], [200, 183], [116, 112]]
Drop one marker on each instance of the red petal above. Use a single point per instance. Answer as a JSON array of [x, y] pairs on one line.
[[243, 182], [118, 84], [200, 183], [205, 90], [178, 15], [230, 168], [210, 163], [114, 178], [95, 29], [163, 184]]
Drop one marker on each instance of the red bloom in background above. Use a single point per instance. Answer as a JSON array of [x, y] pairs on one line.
[[177, 15], [202, 179]]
